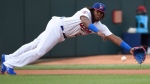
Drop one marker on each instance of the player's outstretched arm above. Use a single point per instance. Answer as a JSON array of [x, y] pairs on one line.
[[118, 41], [102, 35]]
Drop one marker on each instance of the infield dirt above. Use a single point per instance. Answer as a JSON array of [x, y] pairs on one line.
[[99, 59]]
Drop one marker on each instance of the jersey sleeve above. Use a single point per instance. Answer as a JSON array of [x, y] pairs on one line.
[[85, 12], [103, 28]]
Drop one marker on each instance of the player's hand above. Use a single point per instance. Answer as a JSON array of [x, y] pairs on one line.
[[131, 50], [102, 35], [139, 54]]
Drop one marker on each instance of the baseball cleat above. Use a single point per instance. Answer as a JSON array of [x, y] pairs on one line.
[[3, 67], [10, 71]]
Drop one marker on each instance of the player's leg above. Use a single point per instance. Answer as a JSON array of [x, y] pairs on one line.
[[25, 48], [18, 52], [50, 38]]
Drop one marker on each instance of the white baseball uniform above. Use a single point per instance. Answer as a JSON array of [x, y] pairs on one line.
[[54, 33]]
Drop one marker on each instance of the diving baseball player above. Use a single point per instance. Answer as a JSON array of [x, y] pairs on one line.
[[83, 22]]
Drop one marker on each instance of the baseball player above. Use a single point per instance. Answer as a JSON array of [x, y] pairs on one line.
[[83, 22]]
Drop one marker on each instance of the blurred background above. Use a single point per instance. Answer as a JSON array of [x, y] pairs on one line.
[[21, 21]]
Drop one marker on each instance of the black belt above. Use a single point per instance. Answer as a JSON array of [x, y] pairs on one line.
[[63, 33]]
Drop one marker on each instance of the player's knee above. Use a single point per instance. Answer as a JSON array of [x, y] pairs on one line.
[[40, 53]]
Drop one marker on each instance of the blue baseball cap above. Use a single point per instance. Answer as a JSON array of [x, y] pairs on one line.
[[99, 6]]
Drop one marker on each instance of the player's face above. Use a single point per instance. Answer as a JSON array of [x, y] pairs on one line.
[[98, 15]]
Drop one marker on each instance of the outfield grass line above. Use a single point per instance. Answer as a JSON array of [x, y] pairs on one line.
[[84, 67]]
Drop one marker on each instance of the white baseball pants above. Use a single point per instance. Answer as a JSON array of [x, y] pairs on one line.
[[38, 47]]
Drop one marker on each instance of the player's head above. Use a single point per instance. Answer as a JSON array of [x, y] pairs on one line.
[[141, 10], [99, 10], [99, 6]]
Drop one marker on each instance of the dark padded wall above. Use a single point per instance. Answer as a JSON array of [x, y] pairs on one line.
[[37, 16], [11, 25], [21, 21]]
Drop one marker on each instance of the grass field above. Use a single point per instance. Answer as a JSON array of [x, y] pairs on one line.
[[75, 79], [86, 67], [79, 79]]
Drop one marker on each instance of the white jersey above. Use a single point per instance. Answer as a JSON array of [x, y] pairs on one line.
[[74, 27]]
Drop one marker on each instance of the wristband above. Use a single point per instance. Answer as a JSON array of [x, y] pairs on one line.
[[125, 46], [93, 28]]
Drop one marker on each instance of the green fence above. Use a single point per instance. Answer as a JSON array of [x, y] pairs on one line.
[[21, 21]]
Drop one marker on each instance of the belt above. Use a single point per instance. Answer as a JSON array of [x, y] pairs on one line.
[[63, 33]]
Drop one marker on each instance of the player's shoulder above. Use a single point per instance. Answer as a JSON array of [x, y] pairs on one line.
[[85, 8], [99, 23]]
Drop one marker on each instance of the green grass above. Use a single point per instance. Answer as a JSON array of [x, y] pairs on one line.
[[82, 67], [75, 79], [79, 79]]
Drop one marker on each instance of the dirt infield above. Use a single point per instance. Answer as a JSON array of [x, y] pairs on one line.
[[101, 59], [83, 71]]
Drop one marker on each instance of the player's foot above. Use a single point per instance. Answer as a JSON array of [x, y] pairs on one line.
[[3, 67], [10, 71]]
